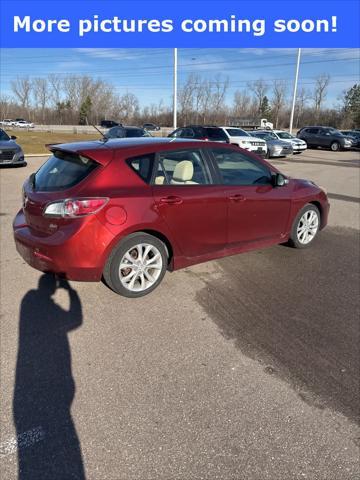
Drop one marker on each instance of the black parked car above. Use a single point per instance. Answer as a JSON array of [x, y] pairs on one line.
[[108, 123], [151, 127], [198, 132], [126, 132], [325, 137]]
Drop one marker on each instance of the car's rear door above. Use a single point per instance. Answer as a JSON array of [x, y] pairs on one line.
[[193, 208], [311, 136], [256, 210]]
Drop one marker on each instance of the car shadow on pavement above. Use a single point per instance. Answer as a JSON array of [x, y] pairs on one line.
[[48, 445], [296, 313]]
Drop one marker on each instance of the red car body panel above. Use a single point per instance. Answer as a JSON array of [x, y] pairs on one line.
[[209, 221]]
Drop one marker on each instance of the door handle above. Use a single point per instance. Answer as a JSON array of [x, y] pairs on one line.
[[237, 198], [171, 200]]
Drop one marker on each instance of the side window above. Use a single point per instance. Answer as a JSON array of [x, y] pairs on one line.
[[237, 168], [182, 167], [188, 133], [143, 166], [312, 131], [178, 132]]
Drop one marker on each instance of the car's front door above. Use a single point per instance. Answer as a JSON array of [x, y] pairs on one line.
[[193, 208], [324, 138], [256, 209]]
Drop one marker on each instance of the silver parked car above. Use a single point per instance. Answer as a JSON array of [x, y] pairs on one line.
[[297, 144], [275, 147], [10, 152]]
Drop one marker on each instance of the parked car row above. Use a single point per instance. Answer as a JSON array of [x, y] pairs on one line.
[[18, 122]]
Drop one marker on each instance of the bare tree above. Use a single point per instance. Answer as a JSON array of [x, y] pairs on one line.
[[302, 98], [259, 89], [129, 105], [186, 98], [41, 95], [55, 85], [320, 91], [242, 101], [5, 105], [22, 90], [278, 99], [219, 90]]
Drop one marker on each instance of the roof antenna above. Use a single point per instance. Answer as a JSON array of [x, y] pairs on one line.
[[104, 137]]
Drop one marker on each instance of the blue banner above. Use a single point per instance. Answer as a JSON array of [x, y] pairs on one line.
[[166, 23]]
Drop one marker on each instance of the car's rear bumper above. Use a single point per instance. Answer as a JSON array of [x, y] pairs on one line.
[[75, 258]]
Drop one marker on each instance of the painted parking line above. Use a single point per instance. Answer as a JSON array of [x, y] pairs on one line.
[[23, 440]]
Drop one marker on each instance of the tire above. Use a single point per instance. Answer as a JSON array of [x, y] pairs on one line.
[[310, 230], [267, 154], [335, 146], [146, 278]]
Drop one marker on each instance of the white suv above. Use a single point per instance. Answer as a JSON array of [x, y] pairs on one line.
[[297, 144], [240, 137]]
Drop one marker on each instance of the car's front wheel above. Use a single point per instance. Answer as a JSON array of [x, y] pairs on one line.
[[305, 227], [335, 146], [137, 265]]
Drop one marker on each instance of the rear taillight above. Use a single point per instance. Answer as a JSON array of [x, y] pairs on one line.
[[75, 207]]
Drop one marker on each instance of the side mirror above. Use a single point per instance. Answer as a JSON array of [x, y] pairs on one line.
[[13, 137], [279, 180]]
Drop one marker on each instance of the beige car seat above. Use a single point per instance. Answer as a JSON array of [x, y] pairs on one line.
[[159, 180], [183, 173]]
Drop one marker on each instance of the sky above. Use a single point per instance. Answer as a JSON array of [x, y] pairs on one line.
[[148, 73]]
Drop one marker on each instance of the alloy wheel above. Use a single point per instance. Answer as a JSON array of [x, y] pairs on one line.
[[140, 267], [307, 227]]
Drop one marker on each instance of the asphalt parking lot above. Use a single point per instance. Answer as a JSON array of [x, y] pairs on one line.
[[243, 368]]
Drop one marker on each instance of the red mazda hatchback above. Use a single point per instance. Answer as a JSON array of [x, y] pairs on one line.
[[128, 210]]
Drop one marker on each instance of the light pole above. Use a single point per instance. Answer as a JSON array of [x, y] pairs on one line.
[[295, 90], [175, 90]]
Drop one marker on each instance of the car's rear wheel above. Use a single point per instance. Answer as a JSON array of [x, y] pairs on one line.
[[335, 146], [137, 265], [305, 227]]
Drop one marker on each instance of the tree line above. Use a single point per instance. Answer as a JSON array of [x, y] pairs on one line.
[[77, 99]]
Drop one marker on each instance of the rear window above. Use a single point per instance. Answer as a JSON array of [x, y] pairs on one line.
[[63, 170], [215, 134]]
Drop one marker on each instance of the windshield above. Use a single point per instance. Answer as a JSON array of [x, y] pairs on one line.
[[3, 135], [265, 136], [237, 132], [285, 135], [333, 131]]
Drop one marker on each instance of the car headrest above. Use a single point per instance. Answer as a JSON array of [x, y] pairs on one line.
[[184, 171]]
